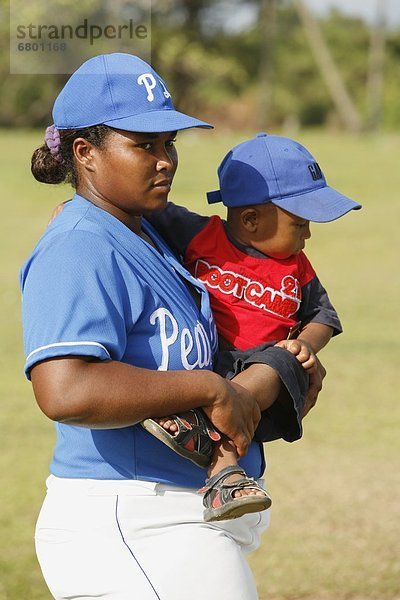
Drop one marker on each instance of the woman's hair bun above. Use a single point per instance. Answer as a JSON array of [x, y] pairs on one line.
[[45, 168]]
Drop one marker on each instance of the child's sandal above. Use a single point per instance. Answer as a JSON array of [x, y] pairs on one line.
[[220, 502], [192, 440]]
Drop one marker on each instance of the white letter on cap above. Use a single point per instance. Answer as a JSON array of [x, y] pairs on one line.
[[165, 92], [149, 82]]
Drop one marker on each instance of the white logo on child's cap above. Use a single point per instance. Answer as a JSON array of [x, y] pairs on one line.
[[149, 83]]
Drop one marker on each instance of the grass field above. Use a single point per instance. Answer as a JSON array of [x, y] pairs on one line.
[[335, 531]]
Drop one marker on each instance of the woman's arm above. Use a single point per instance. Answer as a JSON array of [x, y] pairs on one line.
[[111, 394]]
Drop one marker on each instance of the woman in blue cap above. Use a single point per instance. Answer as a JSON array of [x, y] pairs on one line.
[[117, 331]]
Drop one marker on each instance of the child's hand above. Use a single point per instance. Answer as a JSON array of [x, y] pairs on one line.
[[58, 209], [302, 351]]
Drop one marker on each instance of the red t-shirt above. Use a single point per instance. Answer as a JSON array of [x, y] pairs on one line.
[[254, 300]]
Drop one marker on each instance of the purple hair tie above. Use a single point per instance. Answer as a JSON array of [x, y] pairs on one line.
[[53, 142]]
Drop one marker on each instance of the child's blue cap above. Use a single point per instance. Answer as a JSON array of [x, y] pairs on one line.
[[271, 168], [121, 91]]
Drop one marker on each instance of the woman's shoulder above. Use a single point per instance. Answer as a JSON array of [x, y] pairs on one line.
[[81, 226], [73, 243]]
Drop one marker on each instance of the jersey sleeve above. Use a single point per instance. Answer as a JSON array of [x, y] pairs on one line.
[[178, 226], [75, 301], [316, 306]]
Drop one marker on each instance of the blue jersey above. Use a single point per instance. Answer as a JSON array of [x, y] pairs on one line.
[[94, 288]]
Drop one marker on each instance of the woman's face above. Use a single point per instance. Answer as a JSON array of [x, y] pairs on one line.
[[132, 173]]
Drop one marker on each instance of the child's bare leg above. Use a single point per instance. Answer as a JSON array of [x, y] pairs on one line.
[[225, 456], [263, 382]]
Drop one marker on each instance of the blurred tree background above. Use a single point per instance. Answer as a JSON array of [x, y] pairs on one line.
[[247, 73]]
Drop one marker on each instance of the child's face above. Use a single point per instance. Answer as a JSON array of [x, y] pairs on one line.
[[279, 233]]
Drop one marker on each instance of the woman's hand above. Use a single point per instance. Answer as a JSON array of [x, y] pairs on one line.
[[235, 413], [315, 386]]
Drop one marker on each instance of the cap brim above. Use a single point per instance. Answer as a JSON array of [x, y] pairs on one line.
[[320, 206], [157, 121]]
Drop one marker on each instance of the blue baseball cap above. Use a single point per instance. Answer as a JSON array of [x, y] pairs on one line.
[[271, 168], [122, 91]]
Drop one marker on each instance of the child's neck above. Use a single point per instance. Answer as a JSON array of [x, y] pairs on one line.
[[238, 234]]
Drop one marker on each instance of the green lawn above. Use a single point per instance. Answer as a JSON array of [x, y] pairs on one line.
[[335, 532]]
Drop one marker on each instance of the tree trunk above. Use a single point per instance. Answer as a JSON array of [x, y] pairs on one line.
[[376, 67], [329, 72], [267, 36]]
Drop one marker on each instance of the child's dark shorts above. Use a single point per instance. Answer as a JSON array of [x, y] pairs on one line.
[[283, 418]]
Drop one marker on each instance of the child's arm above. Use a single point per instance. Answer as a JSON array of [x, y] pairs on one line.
[[316, 335]]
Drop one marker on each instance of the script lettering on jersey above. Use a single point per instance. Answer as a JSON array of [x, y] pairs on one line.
[[284, 301], [193, 343]]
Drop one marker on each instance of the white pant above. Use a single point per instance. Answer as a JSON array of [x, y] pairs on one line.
[[137, 540]]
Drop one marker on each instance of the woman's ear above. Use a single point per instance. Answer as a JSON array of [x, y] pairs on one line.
[[249, 218], [84, 154]]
